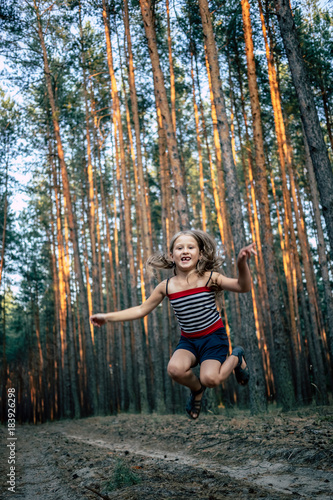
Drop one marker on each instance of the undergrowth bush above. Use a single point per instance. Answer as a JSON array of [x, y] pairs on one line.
[[122, 476]]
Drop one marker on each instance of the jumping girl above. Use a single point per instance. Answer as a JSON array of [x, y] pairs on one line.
[[191, 292]]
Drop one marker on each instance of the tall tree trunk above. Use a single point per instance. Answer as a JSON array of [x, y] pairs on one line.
[[262, 280], [226, 236], [65, 306], [166, 192], [199, 148], [172, 73], [284, 384], [161, 95], [90, 187], [51, 353], [288, 249], [4, 226], [147, 242], [118, 331], [259, 299], [127, 201], [309, 115], [139, 369], [257, 381], [321, 246], [92, 386], [326, 109]]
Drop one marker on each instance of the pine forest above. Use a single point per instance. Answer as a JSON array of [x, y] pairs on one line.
[[123, 122]]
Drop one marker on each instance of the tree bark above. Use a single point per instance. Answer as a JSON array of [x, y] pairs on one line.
[[64, 303], [4, 226], [92, 386], [309, 115], [321, 246], [90, 187], [284, 384], [127, 206], [147, 242], [199, 148], [257, 381], [287, 247], [172, 73], [160, 92], [225, 231]]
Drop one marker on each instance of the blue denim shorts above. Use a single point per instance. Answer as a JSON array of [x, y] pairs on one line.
[[215, 345]]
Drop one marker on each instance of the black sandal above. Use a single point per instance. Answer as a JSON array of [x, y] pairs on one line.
[[242, 374], [194, 405]]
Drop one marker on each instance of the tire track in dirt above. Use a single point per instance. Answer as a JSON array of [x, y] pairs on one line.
[[36, 478], [294, 481], [270, 457]]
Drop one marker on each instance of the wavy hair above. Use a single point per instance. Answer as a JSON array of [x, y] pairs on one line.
[[209, 259]]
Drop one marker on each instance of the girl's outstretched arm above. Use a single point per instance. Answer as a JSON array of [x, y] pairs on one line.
[[132, 313], [243, 283]]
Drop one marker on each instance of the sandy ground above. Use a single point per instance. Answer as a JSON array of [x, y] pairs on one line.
[[232, 455]]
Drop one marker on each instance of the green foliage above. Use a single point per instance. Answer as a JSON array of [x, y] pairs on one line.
[[315, 29], [122, 476]]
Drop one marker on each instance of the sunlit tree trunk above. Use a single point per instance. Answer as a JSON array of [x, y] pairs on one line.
[[258, 298], [261, 271], [127, 205], [92, 386], [155, 339], [68, 369], [91, 195], [284, 384], [160, 93], [257, 381], [172, 73], [146, 237], [166, 193], [138, 341], [93, 232], [225, 230], [199, 148], [288, 249], [221, 216], [52, 355]]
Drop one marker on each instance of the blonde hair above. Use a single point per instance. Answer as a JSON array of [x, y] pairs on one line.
[[209, 259]]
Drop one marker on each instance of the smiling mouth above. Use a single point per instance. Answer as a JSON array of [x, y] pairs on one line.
[[185, 259]]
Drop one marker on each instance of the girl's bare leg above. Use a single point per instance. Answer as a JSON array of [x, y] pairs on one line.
[[213, 373], [180, 370]]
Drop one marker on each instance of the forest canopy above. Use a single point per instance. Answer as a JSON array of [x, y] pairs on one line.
[[132, 120]]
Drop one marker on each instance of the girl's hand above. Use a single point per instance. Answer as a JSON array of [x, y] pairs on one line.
[[246, 253], [98, 319]]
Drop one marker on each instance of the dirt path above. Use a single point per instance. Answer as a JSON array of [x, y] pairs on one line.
[[167, 457]]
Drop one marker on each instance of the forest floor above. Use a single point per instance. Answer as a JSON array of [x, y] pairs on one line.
[[232, 455]]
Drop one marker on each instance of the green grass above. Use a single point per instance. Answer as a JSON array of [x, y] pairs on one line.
[[122, 476]]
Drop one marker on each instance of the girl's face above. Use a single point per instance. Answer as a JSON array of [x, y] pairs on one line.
[[185, 252]]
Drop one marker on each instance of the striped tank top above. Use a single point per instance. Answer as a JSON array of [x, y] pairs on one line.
[[195, 310]]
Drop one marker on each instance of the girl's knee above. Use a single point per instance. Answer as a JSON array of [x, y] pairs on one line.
[[210, 380], [175, 371]]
